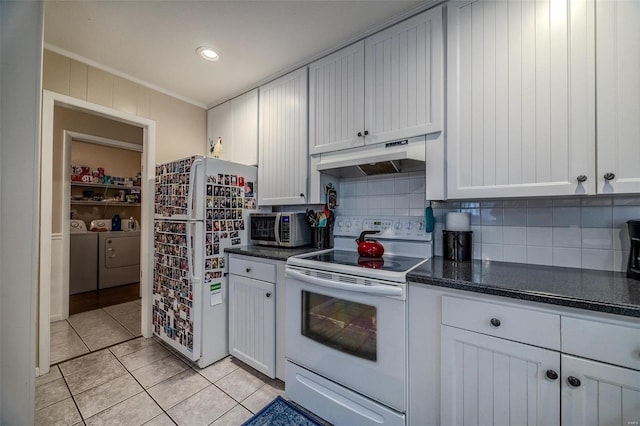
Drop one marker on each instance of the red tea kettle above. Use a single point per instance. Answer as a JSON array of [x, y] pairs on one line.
[[369, 248]]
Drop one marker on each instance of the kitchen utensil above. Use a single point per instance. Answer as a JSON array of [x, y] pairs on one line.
[[310, 216], [322, 220], [369, 248]]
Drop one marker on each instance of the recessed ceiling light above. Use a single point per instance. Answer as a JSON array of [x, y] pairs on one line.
[[207, 53]]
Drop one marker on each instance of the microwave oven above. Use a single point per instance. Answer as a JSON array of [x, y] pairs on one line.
[[279, 229]]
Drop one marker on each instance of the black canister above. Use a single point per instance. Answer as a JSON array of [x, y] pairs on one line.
[[457, 245]]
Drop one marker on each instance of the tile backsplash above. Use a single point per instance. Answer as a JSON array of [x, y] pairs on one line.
[[580, 232]]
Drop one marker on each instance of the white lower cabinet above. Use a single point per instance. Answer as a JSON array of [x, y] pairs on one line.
[[492, 381], [595, 393], [252, 328], [476, 360], [252, 313], [257, 313]]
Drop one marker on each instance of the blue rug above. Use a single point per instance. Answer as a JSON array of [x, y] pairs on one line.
[[281, 412]]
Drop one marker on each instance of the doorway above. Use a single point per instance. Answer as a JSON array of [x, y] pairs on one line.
[[104, 184], [54, 245]]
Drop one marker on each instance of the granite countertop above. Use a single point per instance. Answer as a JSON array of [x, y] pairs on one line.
[[270, 252], [602, 291]]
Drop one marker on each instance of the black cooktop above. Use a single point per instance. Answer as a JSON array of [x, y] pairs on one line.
[[351, 258]]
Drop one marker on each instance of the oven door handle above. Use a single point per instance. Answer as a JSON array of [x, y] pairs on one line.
[[383, 290]]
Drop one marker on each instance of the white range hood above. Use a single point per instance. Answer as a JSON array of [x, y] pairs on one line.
[[406, 155]]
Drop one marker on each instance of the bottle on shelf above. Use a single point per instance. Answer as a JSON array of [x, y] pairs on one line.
[[116, 223]]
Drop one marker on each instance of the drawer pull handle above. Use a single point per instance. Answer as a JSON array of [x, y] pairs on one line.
[[268, 294], [551, 375], [581, 178], [248, 269], [574, 381], [609, 176], [495, 322]]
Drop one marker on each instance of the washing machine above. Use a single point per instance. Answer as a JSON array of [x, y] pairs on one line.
[[83, 258], [118, 258]]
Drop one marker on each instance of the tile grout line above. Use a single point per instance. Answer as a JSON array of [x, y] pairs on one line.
[[141, 385], [72, 396]]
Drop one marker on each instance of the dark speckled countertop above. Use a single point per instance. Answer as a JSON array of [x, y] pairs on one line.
[[268, 252], [602, 291]]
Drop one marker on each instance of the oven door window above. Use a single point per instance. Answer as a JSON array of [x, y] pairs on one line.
[[344, 325]]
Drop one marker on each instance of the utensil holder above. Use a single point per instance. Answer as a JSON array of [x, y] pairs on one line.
[[322, 238]]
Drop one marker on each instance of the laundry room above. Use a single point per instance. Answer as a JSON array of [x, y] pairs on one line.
[[100, 187]]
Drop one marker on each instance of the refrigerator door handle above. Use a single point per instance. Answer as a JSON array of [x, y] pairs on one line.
[[193, 174], [277, 229], [190, 251]]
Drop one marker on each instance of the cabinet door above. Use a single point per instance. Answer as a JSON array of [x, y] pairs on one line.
[[282, 159], [521, 98], [403, 79], [336, 100], [244, 128], [491, 381], [604, 395], [618, 90], [252, 322], [219, 125]]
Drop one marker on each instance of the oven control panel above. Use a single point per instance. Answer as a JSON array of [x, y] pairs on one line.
[[388, 227]]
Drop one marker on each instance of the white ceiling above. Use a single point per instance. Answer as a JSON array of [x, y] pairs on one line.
[[154, 42]]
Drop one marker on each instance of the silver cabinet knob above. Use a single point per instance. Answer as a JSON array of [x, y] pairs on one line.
[[582, 178], [609, 176]]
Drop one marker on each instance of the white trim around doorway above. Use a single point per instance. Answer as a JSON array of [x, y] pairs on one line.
[[49, 101]]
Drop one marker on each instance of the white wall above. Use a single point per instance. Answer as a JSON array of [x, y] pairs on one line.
[[581, 232], [21, 25]]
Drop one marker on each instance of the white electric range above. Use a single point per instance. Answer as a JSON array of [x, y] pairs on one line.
[[346, 322]]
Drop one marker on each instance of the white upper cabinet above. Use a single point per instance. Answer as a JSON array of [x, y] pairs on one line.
[[521, 98], [336, 100], [236, 122], [244, 128], [403, 79], [386, 87], [283, 158], [618, 94], [219, 126]]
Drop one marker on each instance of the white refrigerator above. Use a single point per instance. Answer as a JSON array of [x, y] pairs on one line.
[[201, 206]]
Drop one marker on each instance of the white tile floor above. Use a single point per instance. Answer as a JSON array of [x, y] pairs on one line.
[[140, 381]]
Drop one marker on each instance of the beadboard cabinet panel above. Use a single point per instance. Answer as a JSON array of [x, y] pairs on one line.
[[603, 395], [403, 79], [283, 148], [244, 128], [236, 122], [252, 334], [618, 91], [219, 126], [336, 100], [521, 98], [491, 381]]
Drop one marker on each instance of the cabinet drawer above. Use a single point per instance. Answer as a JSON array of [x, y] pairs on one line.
[[253, 269], [612, 343], [513, 323]]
